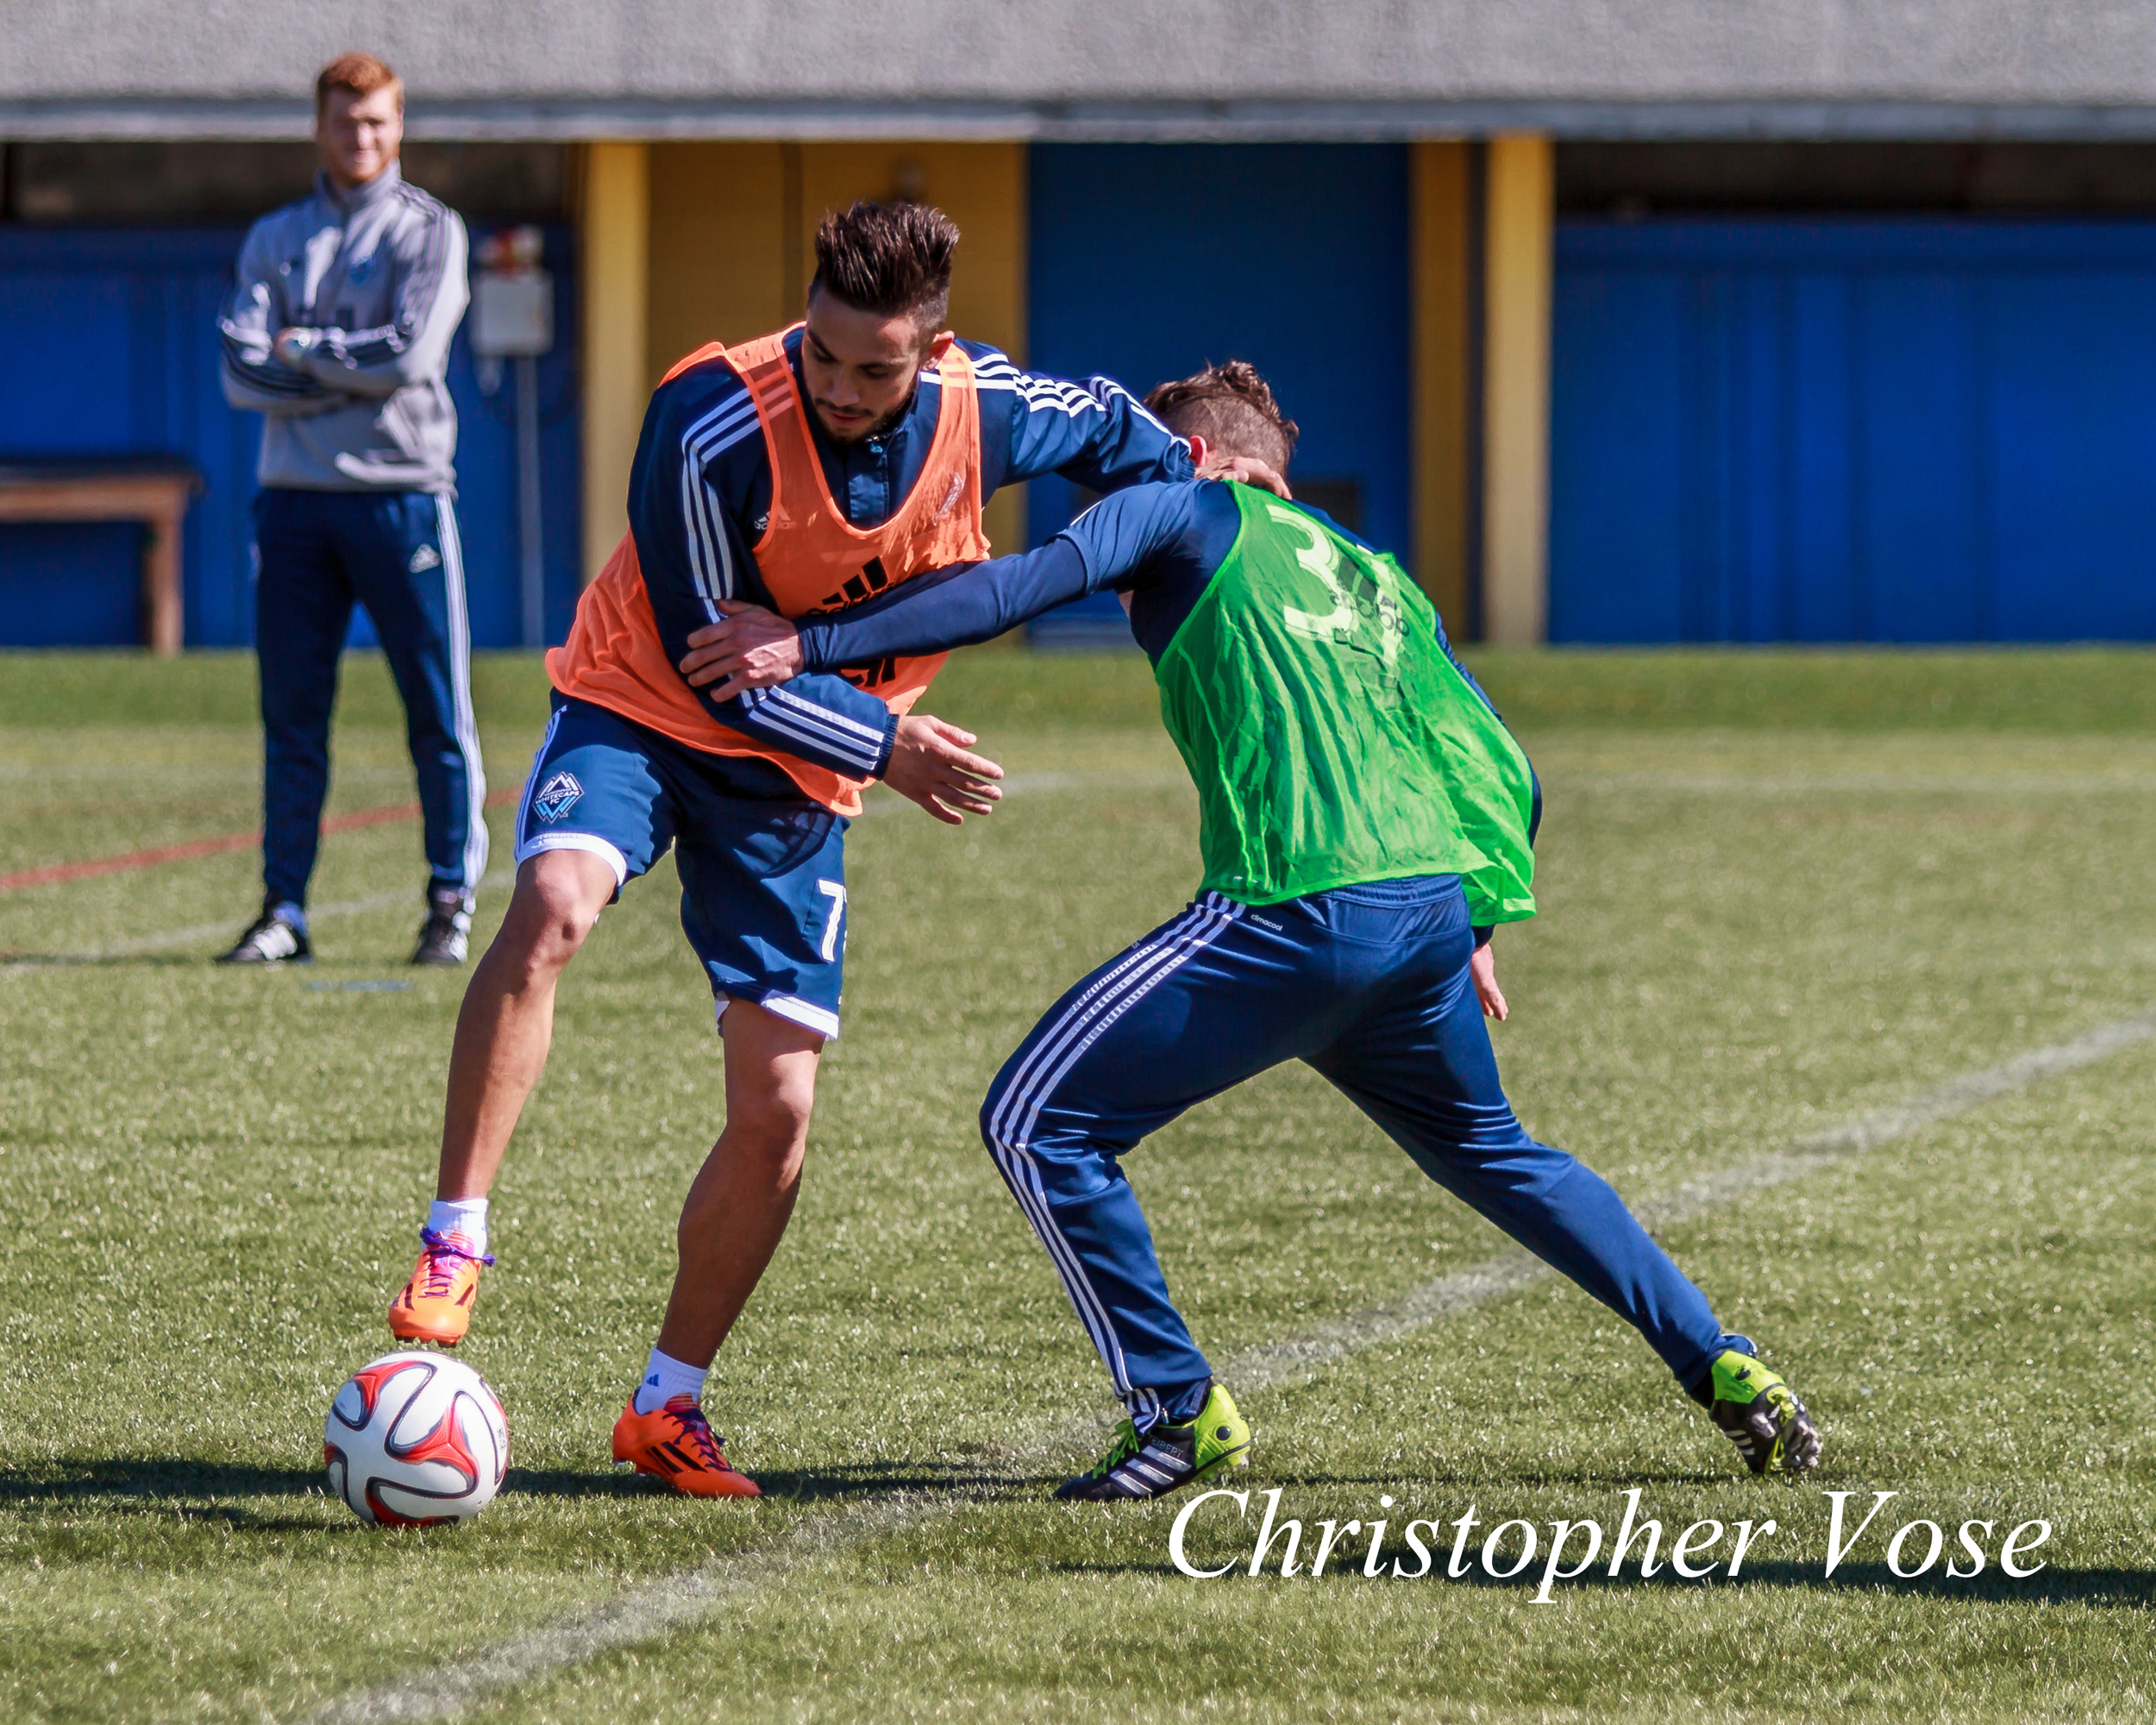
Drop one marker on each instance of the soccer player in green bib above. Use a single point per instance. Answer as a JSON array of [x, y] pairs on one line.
[[1366, 821]]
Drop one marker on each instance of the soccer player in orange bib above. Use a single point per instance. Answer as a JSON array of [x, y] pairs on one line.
[[807, 471]]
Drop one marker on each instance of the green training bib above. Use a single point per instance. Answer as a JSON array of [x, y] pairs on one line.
[[1332, 739]]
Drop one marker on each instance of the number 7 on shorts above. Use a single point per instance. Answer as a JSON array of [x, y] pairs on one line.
[[836, 892]]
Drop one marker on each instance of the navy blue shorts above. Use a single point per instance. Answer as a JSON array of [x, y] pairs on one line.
[[762, 868]]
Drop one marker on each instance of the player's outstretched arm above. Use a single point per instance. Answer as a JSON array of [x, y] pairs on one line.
[[1095, 433], [929, 763], [750, 648], [1115, 543]]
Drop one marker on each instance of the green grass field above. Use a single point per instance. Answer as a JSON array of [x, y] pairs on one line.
[[1778, 891]]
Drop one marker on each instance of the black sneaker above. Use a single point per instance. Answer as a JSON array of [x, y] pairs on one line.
[[269, 940], [1758, 1412], [1168, 1457], [445, 936]]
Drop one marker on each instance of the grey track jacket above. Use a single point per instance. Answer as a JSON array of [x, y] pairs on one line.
[[378, 274]]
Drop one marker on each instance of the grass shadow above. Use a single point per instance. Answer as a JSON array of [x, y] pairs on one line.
[[2049, 1586], [171, 1486], [875, 1479], [168, 1479], [167, 1484]]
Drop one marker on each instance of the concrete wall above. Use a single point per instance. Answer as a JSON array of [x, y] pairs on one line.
[[1101, 68]]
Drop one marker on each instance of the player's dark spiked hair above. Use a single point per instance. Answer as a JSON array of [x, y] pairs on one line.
[[1232, 407], [891, 259]]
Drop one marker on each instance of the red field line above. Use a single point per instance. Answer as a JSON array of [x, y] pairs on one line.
[[151, 858]]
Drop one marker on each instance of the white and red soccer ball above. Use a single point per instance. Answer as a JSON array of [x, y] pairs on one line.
[[414, 1440]]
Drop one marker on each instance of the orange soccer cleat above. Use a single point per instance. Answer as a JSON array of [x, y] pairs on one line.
[[675, 1443], [436, 1303]]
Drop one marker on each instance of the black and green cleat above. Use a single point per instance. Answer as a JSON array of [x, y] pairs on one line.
[[1760, 1414], [1167, 1457]]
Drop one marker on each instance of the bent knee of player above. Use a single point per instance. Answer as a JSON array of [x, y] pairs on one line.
[[767, 1122], [559, 896], [996, 1124], [991, 1106]]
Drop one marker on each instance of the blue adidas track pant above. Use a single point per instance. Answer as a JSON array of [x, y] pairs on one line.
[[395, 552], [1370, 985]]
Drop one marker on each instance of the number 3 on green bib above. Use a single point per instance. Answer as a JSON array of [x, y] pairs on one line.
[[1332, 737], [1369, 606]]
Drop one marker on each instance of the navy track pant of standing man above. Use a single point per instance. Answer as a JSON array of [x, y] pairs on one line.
[[395, 552]]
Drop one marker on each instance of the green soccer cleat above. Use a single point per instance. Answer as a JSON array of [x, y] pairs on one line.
[[1167, 1457], [1760, 1414]]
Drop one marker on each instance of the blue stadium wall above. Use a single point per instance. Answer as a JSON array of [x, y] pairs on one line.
[[1763, 428], [1149, 260], [109, 346], [1894, 430]]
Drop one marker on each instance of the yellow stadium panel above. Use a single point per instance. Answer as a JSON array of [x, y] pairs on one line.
[[1519, 259], [614, 209], [721, 234]]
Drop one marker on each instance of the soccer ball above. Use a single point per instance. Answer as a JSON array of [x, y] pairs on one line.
[[414, 1440]]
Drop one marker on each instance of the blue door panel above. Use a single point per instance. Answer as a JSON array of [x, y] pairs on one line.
[[1921, 556], [109, 346], [64, 585], [1630, 582], [1819, 600], [1890, 431], [1148, 260], [1753, 529], [2059, 404], [78, 400]]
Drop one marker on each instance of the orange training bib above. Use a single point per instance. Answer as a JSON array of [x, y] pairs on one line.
[[812, 559]]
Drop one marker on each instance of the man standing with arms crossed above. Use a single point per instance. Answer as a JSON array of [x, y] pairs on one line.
[[338, 332], [807, 470]]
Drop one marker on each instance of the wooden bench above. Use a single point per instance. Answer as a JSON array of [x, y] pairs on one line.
[[152, 491]]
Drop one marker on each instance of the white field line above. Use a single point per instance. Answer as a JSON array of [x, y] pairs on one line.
[[641, 1613], [1808, 784], [172, 939]]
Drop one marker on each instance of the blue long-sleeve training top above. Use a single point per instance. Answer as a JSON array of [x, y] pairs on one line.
[[699, 496], [1160, 544]]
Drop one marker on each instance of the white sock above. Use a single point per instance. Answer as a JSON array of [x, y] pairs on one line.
[[466, 1216], [666, 1378]]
